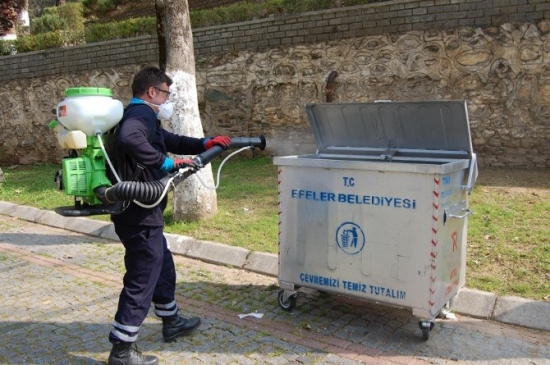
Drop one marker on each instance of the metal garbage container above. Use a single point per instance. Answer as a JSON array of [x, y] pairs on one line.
[[380, 211]]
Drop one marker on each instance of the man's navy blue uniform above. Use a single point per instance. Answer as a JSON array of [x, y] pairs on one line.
[[150, 271]]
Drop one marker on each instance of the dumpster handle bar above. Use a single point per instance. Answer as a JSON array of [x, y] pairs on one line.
[[472, 175], [467, 212]]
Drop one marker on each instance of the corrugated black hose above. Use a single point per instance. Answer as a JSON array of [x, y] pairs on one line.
[[132, 190], [148, 192]]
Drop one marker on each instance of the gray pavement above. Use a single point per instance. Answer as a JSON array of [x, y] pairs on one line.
[[60, 279]]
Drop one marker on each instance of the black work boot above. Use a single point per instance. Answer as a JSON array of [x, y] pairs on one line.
[[126, 353], [176, 326]]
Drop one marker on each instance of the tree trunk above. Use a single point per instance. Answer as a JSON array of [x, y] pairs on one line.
[[24, 19], [192, 201]]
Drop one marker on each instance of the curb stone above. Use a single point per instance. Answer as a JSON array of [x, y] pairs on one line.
[[513, 310], [217, 253], [475, 303], [262, 263], [524, 312]]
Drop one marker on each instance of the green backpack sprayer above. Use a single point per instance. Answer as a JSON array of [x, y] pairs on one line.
[[84, 118]]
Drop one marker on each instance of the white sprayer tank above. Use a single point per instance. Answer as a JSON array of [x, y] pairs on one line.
[[90, 110]]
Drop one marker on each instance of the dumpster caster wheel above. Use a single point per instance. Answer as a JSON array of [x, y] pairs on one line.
[[287, 304], [426, 327]]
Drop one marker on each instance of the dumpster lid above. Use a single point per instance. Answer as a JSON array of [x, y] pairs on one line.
[[392, 130]]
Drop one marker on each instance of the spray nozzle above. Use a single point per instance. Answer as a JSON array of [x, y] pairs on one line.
[[236, 142]]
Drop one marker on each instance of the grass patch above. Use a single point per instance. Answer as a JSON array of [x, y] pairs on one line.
[[508, 236], [247, 207]]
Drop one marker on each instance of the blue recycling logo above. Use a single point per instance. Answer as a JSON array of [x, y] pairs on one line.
[[350, 238]]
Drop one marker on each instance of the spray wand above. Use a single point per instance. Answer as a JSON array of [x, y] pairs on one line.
[[155, 191]]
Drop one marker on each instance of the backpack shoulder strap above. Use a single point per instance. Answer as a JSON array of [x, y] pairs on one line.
[[116, 155]]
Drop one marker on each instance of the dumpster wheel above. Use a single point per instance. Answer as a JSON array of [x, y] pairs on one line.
[[287, 302], [426, 327]]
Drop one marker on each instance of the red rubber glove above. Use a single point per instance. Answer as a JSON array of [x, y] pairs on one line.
[[222, 141], [180, 163]]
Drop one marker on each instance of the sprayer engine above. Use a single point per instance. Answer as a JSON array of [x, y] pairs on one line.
[[81, 175], [83, 118]]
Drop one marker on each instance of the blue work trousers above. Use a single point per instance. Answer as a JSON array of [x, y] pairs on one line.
[[150, 277]]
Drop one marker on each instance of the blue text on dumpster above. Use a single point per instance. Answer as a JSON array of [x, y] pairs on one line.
[[353, 286], [333, 197]]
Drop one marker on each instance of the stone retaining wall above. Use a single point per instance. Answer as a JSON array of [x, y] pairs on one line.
[[255, 77]]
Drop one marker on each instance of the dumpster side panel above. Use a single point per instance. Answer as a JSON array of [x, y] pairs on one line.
[[449, 238], [387, 236], [366, 234]]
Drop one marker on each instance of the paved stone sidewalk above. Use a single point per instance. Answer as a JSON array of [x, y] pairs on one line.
[[60, 289], [513, 310]]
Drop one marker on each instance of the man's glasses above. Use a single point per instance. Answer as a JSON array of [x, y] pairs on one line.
[[164, 91]]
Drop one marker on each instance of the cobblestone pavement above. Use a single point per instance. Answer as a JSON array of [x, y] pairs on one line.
[[60, 290]]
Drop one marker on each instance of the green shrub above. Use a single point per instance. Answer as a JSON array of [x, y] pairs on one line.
[[99, 32], [7, 48], [39, 41], [97, 8], [136, 27], [100, 8], [73, 13], [47, 40], [302, 6], [233, 13], [48, 23], [203, 18], [90, 7], [65, 17]]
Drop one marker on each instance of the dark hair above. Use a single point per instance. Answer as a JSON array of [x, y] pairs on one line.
[[147, 77]]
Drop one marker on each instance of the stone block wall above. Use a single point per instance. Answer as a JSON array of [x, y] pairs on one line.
[[368, 20], [94, 56], [255, 77]]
